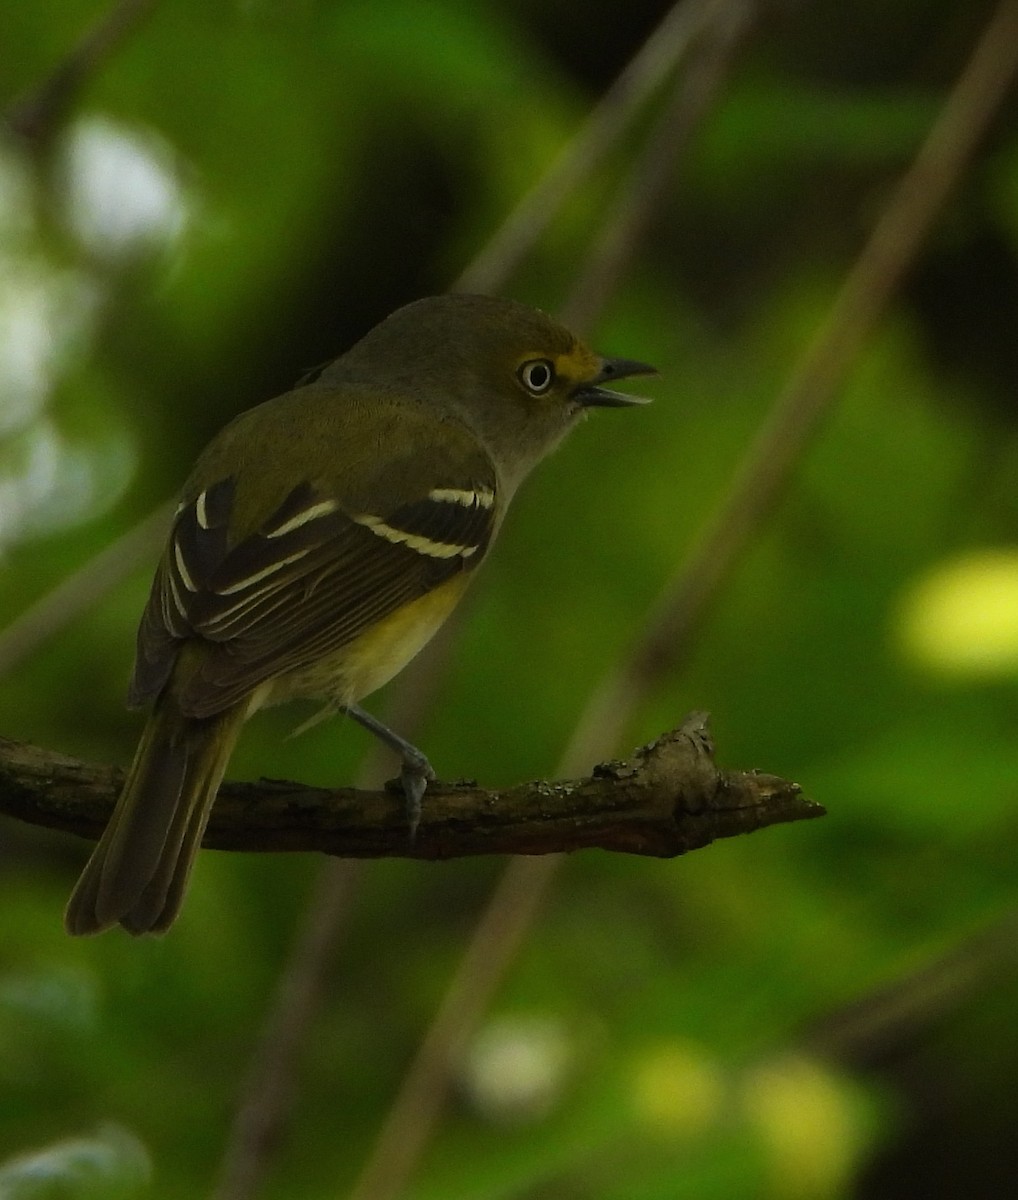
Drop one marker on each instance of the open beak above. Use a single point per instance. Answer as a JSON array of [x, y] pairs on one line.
[[593, 395]]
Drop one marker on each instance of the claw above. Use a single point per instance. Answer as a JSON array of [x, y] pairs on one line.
[[416, 769], [414, 777]]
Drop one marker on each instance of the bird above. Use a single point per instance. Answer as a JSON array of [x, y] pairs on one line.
[[320, 541]]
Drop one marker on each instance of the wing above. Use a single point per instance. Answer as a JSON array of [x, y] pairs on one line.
[[308, 581]]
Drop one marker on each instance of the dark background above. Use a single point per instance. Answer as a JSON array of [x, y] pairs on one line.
[[823, 1010]]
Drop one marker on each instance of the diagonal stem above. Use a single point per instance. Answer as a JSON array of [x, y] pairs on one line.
[[268, 1091], [692, 99], [36, 117], [656, 60]]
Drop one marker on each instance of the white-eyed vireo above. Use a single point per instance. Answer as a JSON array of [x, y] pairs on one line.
[[321, 540]]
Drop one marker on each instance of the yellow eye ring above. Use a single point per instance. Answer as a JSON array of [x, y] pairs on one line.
[[537, 375]]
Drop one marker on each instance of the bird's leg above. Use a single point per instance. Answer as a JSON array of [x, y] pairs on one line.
[[416, 769]]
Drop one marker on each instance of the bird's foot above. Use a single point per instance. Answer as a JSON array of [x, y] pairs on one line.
[[416, 771], [414, 777]]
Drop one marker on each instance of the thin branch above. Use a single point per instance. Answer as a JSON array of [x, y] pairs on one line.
[[669, 798], [868, 1030], [653, 173], [494, 943], [267, 1095], [37, 116], [604, 126]]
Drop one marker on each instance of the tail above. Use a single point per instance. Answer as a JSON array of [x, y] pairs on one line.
[[139, 869]]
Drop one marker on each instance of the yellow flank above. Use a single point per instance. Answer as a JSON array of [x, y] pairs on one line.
[[364, 665]]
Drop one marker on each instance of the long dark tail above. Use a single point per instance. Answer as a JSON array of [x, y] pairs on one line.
[[139, 869]]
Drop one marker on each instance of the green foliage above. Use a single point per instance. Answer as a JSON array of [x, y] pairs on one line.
[[670, 1029]]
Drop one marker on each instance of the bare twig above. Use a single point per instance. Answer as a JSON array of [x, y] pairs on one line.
[[37, 116], [867, 1031], [78, 592], [495, 940], [692, 99], [643, 74], [669, 798], [267, 1095]]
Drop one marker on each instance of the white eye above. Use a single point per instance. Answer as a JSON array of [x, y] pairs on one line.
[[537, 375]]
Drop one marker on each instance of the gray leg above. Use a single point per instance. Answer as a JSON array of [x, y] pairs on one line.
[[416, 769]]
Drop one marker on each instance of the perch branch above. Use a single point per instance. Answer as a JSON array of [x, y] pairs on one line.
[[667, 799]]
